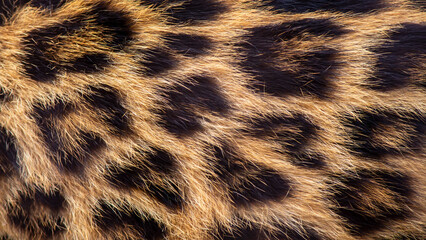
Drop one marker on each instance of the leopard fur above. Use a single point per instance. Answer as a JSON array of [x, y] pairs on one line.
[[212, 119]]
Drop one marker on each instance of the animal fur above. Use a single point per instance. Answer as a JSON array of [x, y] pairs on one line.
[[212, 119]]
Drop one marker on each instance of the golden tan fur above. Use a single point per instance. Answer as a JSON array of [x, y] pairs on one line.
[[206, 204]]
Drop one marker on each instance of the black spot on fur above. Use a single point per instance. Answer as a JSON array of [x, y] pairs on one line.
[[52, 5], [57, 109], [292, 141], [135, 175], [74, 161], [161, 161], [138, 178], [40, 227], [150, 2], [23, 216], [251, 231], [312, 161], [40, 69], [187, 44], [361, 216], [399, 55], [53, 199], [368, 126], [189, 11], [261, 48], [197, 93], [9, 7], [45, 115], [295, 29], [419, 3], [89, 63], [110, 218], [180, 122], [169, 195], [301, 6], [5, 237], [266, 186], [156, 61], [19, 219], [8, 153], [115, 23], [139, 175], [5, 95], [200, 92], [126, 177], [38, 63], [248, 183], [66, 159], [227, 165], [292, 132], [106, 99]]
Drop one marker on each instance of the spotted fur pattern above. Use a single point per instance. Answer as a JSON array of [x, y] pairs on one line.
[[212, 119]]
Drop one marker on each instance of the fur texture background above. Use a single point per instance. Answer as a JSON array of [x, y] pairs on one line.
[[212, 119]]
